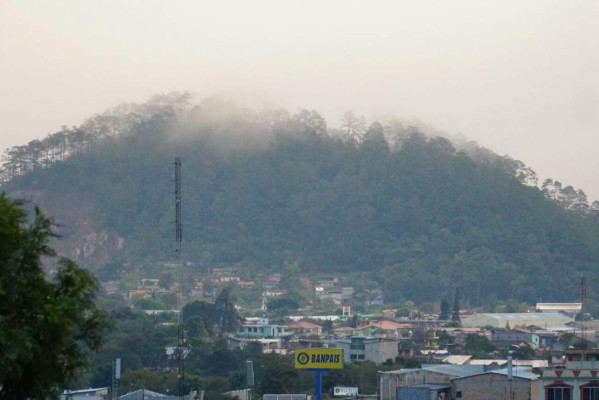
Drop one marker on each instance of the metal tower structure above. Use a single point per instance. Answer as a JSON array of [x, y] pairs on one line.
[[178, 238], [178, 224]]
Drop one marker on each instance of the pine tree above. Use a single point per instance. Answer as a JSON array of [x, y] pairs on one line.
[[455, 312]]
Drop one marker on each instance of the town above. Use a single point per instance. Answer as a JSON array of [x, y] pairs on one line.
[[547, 351]]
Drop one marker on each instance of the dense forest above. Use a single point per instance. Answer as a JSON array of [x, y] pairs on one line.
[[391, 205]]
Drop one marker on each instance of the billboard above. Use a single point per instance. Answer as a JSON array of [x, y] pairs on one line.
[[345, 391], [319, 358]]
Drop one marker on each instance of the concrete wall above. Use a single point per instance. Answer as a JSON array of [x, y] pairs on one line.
[[493, 386]]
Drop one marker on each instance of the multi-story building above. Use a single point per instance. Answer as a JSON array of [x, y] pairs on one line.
[[360, 348], [576, 378], [261, 328]]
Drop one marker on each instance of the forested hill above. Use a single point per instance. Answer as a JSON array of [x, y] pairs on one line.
[[384, 204]]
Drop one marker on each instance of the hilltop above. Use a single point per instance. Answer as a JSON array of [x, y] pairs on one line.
[[386, 204]]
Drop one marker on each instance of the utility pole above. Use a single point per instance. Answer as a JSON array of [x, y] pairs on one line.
[[583, 299]]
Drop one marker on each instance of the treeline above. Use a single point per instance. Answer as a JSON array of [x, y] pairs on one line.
[[415, 215], [68, 142], [175, 109]]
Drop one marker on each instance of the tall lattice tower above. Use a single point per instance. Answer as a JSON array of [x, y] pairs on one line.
[[178, 239]]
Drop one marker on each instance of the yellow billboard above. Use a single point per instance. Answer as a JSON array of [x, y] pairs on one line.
[[319, 358]]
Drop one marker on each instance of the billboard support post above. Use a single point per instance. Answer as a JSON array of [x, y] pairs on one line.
[[318, 373]]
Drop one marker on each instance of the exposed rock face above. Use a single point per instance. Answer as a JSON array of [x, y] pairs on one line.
[[78, 237]]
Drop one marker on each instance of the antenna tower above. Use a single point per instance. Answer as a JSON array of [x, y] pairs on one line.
[[178, 238], [178, 225]]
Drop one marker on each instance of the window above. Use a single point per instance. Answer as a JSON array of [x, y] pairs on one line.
[[458, 394], [590, 392], [353, 357], [559, 392], [361, 357]]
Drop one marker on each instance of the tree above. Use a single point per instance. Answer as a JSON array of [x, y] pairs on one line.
[[227, 318], [445, 310], [327, 326], [478, 345], [48, 327], [353, 127], [455, 312]]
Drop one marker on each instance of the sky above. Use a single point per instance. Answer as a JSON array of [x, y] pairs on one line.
[[519, 77]]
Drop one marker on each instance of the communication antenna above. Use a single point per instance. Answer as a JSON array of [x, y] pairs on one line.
[[178, 225], [178, 238]]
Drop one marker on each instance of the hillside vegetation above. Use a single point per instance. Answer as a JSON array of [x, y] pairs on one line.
[[417, 214]]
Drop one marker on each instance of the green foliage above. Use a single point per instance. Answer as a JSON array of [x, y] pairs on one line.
[[227, 319], [286, 303], [445, 310], [360, 374], [48, 327], [478, 345], [271, 191], [275, 374], [198, 316], [455, 310]]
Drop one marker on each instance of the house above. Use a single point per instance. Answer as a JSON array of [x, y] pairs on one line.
[[390, 328], [335, 293], [261, 328], [507, 337], [360, 348], [376, 328], [575, 378], [272, 293], [547, 338], [150, 284], [268, 345], [272, 282], [220, 279], [459, 334], [304, 328], [328, 281]]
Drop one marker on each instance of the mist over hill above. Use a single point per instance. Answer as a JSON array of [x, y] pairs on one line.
[[384, 203]]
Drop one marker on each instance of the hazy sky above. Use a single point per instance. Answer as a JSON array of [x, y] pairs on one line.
[[519, 77]]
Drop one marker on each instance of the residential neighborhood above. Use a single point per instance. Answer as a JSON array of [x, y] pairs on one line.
[[544, 353]]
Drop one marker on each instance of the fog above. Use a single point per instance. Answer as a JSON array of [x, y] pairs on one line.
[[519, 77]]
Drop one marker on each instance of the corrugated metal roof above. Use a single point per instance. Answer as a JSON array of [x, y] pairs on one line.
[[455, 370], [524, 373], [446, 369], [527, 316], [559, 306], [456, 359]]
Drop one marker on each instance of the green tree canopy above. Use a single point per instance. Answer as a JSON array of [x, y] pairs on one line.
[[47, 326], [228, 319]]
